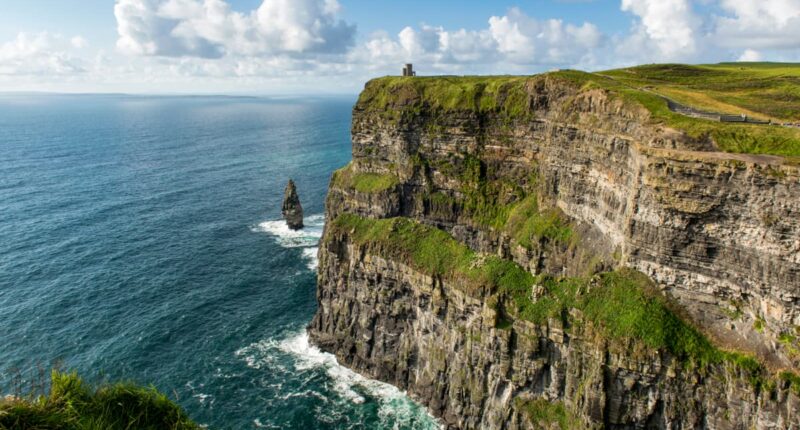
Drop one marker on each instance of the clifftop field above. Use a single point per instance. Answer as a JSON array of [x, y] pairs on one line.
[[764, 91]]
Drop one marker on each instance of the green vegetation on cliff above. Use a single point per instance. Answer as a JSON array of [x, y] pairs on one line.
[[432, 251], [624, 305], [761, 90], [526, 223], [72, 405], [544, 414], [363, 182], [395, 95]]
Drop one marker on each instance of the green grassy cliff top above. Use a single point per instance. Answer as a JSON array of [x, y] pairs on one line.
[[767, 91]]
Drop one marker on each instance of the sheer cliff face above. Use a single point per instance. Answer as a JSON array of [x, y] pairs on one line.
[[718, 233]]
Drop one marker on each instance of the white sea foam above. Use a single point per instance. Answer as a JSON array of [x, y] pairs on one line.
[[202, 397], [310, 254], [306, 237], [395, 406]]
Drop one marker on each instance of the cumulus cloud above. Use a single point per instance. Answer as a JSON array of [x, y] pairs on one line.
[[306, 44], [210, 29], [513, 39], [750, 55], [759, 24], [526, 40], [666, 30], [38, 54]]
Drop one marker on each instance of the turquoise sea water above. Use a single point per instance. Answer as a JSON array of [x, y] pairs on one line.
[[138, 240]]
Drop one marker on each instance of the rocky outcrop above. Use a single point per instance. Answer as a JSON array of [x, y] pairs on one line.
[[292, 210], [609, 187]]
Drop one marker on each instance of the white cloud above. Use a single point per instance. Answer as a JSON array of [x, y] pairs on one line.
[[78, 42], [210, 29], [38, 54], [759, 24], [281, 45], [513, 40], [526, 40], [666, 30], [750, 55]]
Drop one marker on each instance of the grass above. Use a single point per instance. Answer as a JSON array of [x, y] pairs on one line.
[[527, 224], [509, 206], [73, 405], [624, 304], [793, 380], [364, 182], [501, 94], [763, 90], [544, 414], [755, 89], [433, 252]]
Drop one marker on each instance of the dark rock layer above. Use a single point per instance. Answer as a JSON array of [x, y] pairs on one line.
[[292, 210]]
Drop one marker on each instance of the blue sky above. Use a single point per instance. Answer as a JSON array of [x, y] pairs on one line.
[[95, 18], [330, 46]]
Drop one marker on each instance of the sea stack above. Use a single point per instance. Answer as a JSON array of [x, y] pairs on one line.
[[292, 210]]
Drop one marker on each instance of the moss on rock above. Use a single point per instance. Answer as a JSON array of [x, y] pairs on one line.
[[364, 182]]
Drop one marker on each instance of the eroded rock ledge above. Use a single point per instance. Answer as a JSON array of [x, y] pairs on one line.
[[570, 184]]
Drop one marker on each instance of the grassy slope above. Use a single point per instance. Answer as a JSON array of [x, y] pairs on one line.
[[766, 90], [761, 89], [72, 405]]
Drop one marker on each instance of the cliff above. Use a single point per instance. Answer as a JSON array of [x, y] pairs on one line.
[[558, 250]]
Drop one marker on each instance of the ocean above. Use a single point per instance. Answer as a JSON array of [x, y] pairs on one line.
[[140, 239]]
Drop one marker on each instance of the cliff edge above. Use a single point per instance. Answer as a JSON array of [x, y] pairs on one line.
[[561, 250]]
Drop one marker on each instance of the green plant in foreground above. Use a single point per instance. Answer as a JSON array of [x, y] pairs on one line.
[[72, 405]]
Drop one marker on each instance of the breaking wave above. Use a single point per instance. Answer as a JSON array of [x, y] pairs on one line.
[[308, 236], [395, 409]]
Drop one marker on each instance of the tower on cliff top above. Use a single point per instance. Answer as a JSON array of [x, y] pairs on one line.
[[408, 70]]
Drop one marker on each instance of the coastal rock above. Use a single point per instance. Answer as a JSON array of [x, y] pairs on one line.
[[717, 233], [292, 210]]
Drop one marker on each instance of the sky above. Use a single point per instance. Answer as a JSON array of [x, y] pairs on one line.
[[306, 47]]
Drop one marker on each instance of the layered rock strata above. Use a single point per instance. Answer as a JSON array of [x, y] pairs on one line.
[[718, 233]]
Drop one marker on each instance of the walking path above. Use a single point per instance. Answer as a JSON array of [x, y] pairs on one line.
[[679, 108]]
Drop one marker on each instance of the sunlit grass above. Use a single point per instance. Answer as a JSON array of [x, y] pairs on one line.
[[71, 404]]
